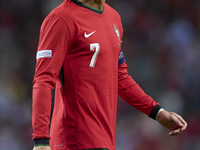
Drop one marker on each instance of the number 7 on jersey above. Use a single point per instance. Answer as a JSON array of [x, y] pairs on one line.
[[96, 48]]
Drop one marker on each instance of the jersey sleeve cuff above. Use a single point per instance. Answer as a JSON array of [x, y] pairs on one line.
[[155, 111], [41, 142]]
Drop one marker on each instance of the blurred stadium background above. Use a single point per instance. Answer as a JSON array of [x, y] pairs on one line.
[[161, 44]]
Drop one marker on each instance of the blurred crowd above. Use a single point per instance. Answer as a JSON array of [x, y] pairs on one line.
[[161, 44]]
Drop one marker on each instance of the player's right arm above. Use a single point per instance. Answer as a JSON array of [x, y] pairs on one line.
[[52, 49]]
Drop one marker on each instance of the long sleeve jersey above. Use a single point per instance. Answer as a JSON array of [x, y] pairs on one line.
[[79, 53]]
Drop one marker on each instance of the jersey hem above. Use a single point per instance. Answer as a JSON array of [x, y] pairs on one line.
[[41, 142]]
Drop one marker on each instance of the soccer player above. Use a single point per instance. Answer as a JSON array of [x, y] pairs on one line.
[[80, 52]]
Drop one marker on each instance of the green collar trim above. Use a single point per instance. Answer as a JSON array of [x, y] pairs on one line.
[[92, 9]]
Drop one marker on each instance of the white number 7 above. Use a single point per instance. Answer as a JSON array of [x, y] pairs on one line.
[[94, 47]]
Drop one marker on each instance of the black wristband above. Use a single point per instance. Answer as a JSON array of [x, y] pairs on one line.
[[154, 111], [42, 141]]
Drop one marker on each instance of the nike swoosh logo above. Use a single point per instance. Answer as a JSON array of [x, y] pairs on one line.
[[88, 35]]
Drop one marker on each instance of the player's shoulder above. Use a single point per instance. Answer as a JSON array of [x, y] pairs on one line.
[[112, 11], [63, 10]]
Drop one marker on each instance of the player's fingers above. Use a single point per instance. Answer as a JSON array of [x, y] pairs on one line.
[[175, 132], [176, 119], [183, 122]]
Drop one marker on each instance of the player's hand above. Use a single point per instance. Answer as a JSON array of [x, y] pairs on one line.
[[172, 121], [41, 148]]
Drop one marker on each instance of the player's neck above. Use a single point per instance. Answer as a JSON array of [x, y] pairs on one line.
[[97, 4]]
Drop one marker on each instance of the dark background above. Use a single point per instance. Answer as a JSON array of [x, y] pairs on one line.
[[161, 44]]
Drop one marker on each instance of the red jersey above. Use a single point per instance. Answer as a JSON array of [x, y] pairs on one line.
[[79, 51]]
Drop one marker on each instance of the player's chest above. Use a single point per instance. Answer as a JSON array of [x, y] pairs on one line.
[[97, 34]]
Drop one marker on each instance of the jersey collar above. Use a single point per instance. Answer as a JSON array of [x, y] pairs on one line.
[[90, 8]]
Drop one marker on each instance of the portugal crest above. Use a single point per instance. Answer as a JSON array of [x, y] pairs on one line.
[[117, 33]]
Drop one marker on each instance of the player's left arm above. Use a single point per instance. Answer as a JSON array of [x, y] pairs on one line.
[[132, 93]]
